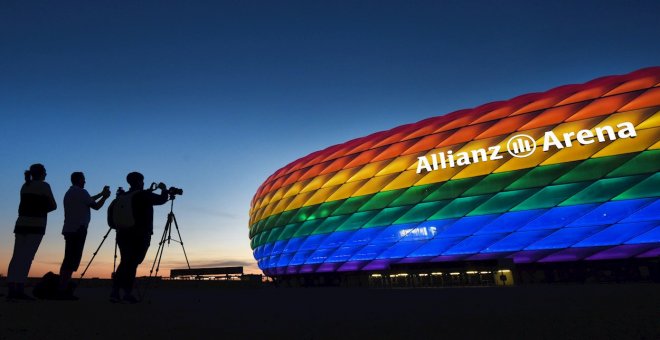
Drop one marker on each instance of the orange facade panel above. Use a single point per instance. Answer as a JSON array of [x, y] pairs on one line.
[[553, 116], [465, 134], [649, 98], [505, 126], [603, 106]]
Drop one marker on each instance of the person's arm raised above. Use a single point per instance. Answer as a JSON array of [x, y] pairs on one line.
[[103, 195], [163, 197]]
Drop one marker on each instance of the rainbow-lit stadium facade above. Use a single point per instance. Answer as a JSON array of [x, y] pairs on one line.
[[371, 203]]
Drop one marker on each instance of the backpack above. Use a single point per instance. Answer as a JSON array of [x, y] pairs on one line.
[[48, 287], [120, 212]]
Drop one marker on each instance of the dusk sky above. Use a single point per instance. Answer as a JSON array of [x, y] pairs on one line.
[[214, 96]]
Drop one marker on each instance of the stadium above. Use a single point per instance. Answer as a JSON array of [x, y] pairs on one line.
[[555, 186]]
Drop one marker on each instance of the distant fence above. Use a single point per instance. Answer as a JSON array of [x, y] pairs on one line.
[[217, 273]]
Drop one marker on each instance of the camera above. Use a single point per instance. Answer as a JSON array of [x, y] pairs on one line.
[[172, 191], [175, 191]]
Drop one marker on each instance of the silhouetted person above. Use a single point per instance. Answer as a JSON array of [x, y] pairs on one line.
[[36, 202], [77, 203], [134, 242]]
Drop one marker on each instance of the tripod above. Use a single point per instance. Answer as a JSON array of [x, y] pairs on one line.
[[114, 266], [167, 236]]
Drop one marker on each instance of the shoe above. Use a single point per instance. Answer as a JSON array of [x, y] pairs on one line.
[[130, 298], [114, 297]]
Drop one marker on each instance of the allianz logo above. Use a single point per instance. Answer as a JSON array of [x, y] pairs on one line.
[[522, 145]]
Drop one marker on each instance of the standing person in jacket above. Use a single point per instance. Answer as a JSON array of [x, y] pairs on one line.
[[77, 203], [36, 202], [134, 242]]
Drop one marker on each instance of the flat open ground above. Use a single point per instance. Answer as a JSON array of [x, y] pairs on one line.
[[212, 310]]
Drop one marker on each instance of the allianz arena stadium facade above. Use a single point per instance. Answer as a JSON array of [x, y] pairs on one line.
[[566, 178]]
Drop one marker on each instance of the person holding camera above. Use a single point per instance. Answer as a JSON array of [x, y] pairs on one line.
[[134, 241], [77, 204], [36, 202]]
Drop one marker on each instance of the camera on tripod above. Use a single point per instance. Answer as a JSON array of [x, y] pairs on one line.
[[167, 231], [175, 191], [172, 191]]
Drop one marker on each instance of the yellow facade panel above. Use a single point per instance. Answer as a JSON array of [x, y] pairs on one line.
[[277, 195], [264, 200], [644, 139], [413, 165], [299, 200], [403, 180], [267, 211], [374, 185], [437, 176], [340, 177], [294, 188], [575, 153], [635, 117], [346, 190], [255, 215], [321, 195], [369, 170], [571, 127], [316, 182], [281, 205], [517, 163], [400, 164], [653, 121], [481, 168], [481, 144], [257, 204]]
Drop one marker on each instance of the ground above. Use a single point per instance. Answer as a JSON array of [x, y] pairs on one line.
[[215, 310]]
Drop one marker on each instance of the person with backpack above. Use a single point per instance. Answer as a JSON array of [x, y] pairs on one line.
[[36, 202], [77, 204], [132, 215]]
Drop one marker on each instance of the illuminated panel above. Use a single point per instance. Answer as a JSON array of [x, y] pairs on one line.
[[582, 184]]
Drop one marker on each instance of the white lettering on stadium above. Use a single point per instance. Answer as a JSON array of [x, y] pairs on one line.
[[449, 159]]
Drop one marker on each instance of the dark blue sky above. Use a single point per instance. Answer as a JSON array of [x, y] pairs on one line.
[[214, 96]]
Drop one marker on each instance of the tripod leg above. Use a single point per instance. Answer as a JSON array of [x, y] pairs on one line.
[[158, 258], [161, 245], [176, 224], [96, 252], [169, 230]]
